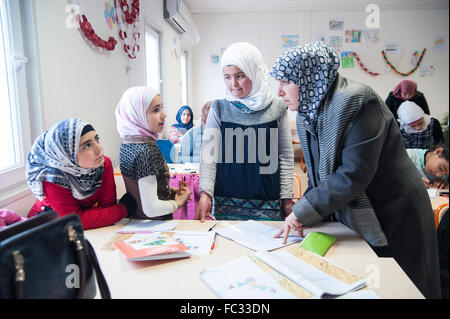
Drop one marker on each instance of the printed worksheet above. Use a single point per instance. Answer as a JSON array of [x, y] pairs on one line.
[[148, 226], [199, 243], [243, 279], [256, 235]]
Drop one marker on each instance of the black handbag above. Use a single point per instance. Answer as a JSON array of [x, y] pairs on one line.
[[48, 257]]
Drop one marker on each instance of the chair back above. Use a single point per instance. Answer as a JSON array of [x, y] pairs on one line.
[[167, 149], [439, 212], [296, 188]]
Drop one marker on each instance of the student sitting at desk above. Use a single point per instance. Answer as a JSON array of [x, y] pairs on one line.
[[419, 130], [68, 173], [185, 119], [192, 140], [432, 165], [140, 117]]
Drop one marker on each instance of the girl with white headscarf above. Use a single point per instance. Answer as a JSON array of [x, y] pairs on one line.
[[247, 161], [140, 118], [358, 168], [64, 180], [419, 130]]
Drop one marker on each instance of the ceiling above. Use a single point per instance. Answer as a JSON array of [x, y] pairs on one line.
[[210, 6]]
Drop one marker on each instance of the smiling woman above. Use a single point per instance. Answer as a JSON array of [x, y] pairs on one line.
[[68, 173]]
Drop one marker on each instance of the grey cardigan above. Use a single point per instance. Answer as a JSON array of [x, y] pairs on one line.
[[370, 159]]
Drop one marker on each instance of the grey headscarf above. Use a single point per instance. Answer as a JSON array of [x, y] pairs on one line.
[[53, 158]]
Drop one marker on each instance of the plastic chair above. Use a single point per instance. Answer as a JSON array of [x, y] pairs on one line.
[[296, 188], [167, 149], [439, 212]]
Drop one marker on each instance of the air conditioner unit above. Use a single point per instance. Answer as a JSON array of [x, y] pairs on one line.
[[175, 13]]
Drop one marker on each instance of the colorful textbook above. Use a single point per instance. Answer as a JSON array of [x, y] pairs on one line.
[[152, 246]]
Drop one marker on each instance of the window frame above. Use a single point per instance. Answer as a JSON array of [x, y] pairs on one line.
[[18, 88], [149, 25], [185, 90]]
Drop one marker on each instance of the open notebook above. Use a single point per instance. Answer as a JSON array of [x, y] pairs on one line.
[[292, 273]]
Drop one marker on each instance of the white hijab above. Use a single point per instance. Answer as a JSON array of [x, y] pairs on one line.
[[409, 112], [248, 58], [131, 109]]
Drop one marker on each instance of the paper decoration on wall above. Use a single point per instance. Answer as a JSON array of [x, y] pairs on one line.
[[347, 60], [428, 70], [393, 48], [176, 51], [127, 16], [336, 42], [353, 36], [336, 24], [370, 36], [401, 73], [290, 40], [90, 34], [440, 43], [415, 57], [215, 59], [110, 15], [362, 65]]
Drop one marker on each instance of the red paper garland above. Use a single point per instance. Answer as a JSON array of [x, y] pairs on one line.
[[362, 65], [130, 15], [90, 34]]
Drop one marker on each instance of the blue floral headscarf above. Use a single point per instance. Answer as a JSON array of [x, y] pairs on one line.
[[313, 67], [178, 118], [53, 158]]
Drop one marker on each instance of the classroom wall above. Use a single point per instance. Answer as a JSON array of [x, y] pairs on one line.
[[414, 29], [78, 80]]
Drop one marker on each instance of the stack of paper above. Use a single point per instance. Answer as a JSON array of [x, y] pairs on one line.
[[147, 226], [256, 235]]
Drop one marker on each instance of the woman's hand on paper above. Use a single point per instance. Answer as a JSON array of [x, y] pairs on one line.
[[290, 222], [204, 206]]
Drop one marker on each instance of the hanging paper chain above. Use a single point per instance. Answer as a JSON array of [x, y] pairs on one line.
[[400, 73], [90, 34], [128, 14], [362, 65]]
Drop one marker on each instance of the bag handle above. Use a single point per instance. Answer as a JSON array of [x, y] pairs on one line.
[[78, 247], [101, 281]]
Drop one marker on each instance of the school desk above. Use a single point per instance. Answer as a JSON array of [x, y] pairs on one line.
[[438, 200], [179, 278]]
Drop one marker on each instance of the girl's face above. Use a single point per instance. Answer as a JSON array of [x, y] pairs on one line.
[[237, 83], [417, 125], [155, 115], [407, 96], [90, 152], [436, 166], [185, 117], [288, 91]]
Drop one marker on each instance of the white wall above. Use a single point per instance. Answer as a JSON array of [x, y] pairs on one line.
[[77, 80], [415, 29]]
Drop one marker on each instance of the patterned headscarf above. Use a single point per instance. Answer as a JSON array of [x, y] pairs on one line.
[[313, 67], [180, 124], [131, 112], [405, 86], [53, 158], [250, 60]]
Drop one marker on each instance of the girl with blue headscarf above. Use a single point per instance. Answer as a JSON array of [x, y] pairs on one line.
[[358, 168], [185, 118], [68, 173]]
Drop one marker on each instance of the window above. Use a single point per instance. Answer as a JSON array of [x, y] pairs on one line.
[[15, 136], [153, 57], [184, 74]]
